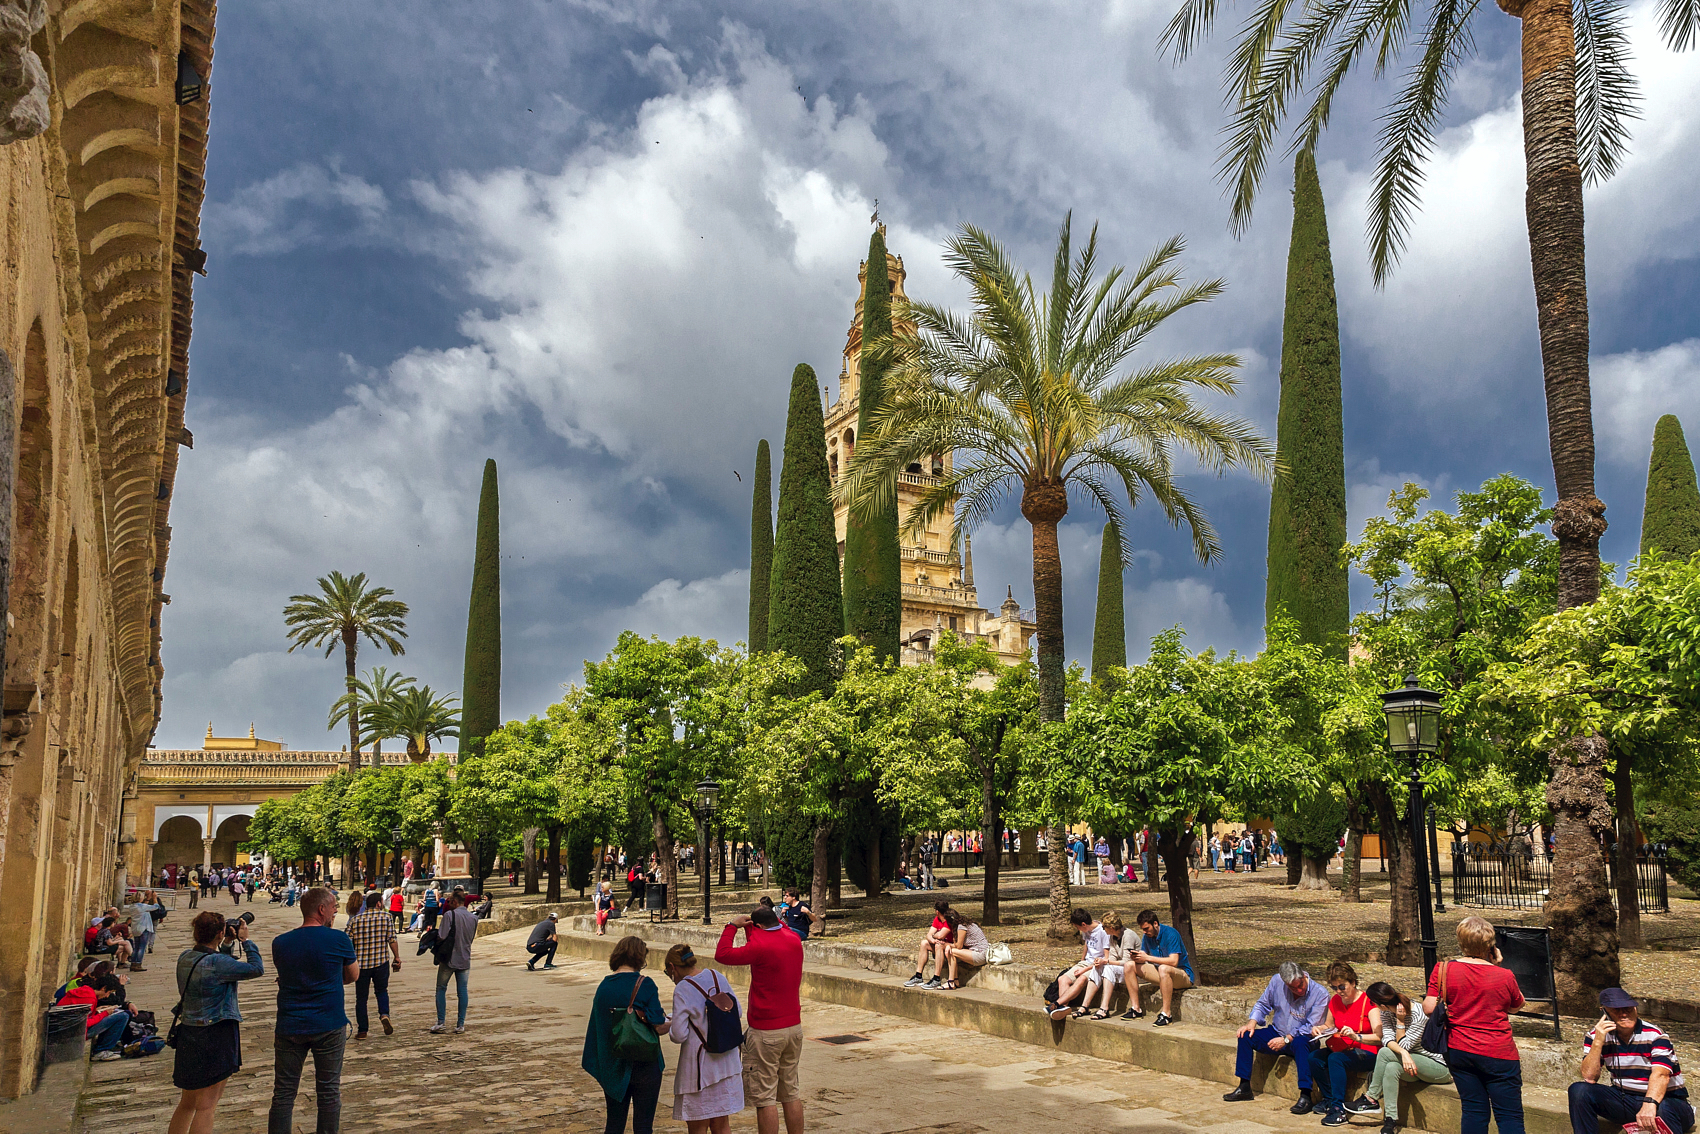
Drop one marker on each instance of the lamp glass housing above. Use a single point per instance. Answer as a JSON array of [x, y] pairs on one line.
[[708, 795], [1413, 718]]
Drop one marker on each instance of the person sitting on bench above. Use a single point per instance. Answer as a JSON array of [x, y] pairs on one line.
[[1281, 1023], [1643, 1079]]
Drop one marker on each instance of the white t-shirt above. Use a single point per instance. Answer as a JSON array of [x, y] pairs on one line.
[[1097, 941]]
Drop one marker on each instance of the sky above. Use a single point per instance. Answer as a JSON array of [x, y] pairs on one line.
[[590, 240]]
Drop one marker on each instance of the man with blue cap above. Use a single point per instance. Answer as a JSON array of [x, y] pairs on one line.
[[1643, 1087]]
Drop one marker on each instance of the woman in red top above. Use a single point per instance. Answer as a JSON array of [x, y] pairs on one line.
[[1356, 1039], [1480, 996]]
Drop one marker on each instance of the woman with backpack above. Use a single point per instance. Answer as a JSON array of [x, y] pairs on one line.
[[617, 1053], [708, 1085]]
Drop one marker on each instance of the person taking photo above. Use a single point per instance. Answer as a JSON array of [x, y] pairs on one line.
[[208, 1031]]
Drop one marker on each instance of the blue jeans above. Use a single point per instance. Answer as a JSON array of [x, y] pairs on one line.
[[1484, 1081], [141, 942], [108, 1035], [1299, 1050], [1590, 1102], [443, 972], [1341, 1065], [371, 980]]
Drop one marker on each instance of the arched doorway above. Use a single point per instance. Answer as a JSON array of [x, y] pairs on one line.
[[179, 841]]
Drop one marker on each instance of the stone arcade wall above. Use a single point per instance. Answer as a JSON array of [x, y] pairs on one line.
[[100, 239]]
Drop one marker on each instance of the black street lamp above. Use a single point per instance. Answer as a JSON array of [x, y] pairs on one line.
[[1413, 728], [395, 853], [708, 801]]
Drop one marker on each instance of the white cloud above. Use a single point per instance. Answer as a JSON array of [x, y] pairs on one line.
[[297, 206], [1634, 389]]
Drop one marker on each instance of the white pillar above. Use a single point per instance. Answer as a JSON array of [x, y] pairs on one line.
[[206, 857]]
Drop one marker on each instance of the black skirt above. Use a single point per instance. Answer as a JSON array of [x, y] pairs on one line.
[[208, 1055]]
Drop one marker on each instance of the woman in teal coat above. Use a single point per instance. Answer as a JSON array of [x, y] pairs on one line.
[[625, 1083]]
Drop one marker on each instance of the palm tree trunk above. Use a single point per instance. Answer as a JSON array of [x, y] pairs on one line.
[[350, 648], [1044, 505], [1579, 909]]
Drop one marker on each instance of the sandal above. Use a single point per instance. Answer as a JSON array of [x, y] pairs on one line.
[[1101, 1014], [949, 986], [1081, 1013]]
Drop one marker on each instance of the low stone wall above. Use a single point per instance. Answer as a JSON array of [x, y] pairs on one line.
[[1005, 1001]]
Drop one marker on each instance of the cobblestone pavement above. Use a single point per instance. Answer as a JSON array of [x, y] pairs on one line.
[[517, 1066]]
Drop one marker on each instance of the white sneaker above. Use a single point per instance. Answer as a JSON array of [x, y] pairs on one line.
[[106, 1056], [438, 1029], [460, 1029]]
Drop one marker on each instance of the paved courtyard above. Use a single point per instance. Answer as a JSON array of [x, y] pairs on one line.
[[517, 1067]]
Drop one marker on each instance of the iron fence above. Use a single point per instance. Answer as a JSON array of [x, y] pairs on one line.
[[1498, 876]]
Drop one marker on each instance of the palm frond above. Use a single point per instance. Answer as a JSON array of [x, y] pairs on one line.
[[1383, 19], [1679, 20], [1407, 134], [1607, 96]]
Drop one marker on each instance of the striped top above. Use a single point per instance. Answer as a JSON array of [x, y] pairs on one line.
[[1630, 1064], [1412, 1043]]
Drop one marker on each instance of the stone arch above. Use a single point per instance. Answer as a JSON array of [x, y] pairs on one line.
[[230, 828], [177, 835]]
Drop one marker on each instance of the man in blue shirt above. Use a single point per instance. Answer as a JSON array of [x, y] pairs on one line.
[[1161, 959], [313, 964], [1281, 1023]]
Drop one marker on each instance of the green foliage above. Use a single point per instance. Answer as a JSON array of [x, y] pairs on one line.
[[806, 605], [481, 681], [416, 715], [1671, 520], [1677, 825], [1109, 630], [790, 840], [368, 698], [580, 853], [1313, 829], [344, 611], [1307, 507], [863, 821], [873, 584], [761, 547]]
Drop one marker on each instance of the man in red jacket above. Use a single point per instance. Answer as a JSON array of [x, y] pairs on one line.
[[774, 1049]]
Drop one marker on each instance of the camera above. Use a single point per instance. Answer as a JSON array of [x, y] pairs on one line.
[[231, 925]]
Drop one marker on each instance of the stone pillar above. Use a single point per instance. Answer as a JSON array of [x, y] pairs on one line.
[[206, 856], [22, 884]]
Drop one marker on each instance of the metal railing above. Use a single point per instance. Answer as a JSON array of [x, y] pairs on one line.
[[1496, 876]]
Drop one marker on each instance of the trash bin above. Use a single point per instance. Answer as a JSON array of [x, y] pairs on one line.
[[66, 1034], [741, 874], [655, 896]]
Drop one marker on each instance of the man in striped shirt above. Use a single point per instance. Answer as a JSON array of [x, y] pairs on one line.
[[1643, 1086]]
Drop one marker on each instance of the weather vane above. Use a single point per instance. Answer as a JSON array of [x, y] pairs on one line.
[[875, 219]]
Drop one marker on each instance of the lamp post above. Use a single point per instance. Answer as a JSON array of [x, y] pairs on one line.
[[395, 853], [1413, 728], [708, 801]]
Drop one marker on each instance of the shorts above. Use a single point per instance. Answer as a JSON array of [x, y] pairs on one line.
[[975, 957], [772, 1057], [1081, 967], [1113, 973]]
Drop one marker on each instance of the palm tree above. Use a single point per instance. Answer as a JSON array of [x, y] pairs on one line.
[[380, 687], [343, 611], [418, 716], [1578, 100], [1029, 389]]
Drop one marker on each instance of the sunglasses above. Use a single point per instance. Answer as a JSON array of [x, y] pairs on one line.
[[1338, 987]]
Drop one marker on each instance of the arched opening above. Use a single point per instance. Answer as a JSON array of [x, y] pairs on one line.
[[833, 462], [32, 498], [914, 467], [230, 832], [179, 842]]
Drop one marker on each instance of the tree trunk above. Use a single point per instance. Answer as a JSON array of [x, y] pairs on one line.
[[835, 877], [669, 863], [350, 648], [1173, 848], [991, 833], [1579, 910], [823, 852], [875, 868], [554, 894], [1355, 851], [1056, 857], [1404, 941], [1628, 893], [1153, 878], [720, 851], [1313, 873], [1295, 866], [531, 871]]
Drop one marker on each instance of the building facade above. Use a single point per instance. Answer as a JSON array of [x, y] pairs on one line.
[[938, 580], [102, 149]]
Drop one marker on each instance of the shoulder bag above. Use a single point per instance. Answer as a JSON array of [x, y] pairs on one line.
[[177, 1008], [634, 1040], [1437, 1029]]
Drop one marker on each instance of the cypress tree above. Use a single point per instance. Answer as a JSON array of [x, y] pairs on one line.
[[1109, 633], [1671, 519], [481, 679], [1307, 509], [805, 614], [873, 584], [761, 547]]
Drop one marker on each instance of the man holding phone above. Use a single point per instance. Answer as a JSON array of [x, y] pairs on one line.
[[375, 948], [1643, 1088]]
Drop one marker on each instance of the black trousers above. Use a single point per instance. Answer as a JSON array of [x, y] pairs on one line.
[[544, 950], [371, 980], [641, 1096]]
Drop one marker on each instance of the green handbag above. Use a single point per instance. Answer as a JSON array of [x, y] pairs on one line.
[[634, 1040]]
